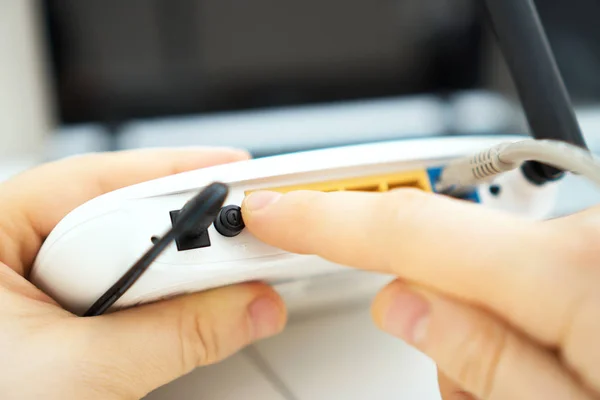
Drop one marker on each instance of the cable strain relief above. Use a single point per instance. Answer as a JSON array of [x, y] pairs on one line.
[[540, 174]]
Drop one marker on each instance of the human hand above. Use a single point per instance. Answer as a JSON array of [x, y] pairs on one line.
[[507, 308], [48, 353]]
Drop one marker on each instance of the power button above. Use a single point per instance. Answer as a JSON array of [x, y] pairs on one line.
[[229, 221]]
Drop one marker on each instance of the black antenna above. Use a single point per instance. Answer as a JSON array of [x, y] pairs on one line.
[[544, 97], [198, 213]]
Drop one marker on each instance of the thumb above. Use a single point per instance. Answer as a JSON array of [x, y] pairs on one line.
[[140, 349]]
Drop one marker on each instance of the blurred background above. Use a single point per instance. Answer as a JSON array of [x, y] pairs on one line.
[[275, 77], [266, 75]]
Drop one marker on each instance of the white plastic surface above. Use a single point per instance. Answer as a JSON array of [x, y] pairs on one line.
[[95, 244], [328, 356]]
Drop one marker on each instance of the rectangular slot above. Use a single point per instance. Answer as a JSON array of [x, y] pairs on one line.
[[413, 184], [372, 188], [418, 179]]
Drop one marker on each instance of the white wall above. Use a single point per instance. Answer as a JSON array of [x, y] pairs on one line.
[[25, 112]]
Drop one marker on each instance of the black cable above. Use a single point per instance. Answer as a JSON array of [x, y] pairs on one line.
[[544, 97], [199, 212]]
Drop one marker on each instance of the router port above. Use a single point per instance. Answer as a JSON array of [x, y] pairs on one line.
[[434, 176], [418, 179], [196, 239], [376, 188], [414, 184]]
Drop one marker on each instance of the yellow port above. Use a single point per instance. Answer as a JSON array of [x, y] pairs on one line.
[[378, 183]]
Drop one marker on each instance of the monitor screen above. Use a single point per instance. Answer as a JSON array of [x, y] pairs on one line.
[[114, 61]]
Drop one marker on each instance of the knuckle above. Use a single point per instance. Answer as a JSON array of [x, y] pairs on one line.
[[476, 359], [198, 341]]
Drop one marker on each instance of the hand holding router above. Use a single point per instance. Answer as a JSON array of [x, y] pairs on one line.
[[97, 243]]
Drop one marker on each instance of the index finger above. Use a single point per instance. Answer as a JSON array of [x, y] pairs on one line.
[[495, 260]]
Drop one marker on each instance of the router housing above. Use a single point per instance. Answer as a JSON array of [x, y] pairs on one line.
[[96, 243]]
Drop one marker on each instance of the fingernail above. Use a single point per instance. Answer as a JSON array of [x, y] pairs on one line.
[[260, 200], [407, 316], [265, 314]]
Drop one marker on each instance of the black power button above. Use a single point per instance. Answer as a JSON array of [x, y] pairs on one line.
[[229, 222]]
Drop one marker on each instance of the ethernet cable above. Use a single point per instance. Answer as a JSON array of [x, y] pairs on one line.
[[485, 165]]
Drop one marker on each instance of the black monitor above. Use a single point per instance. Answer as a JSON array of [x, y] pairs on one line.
[[120, 60]]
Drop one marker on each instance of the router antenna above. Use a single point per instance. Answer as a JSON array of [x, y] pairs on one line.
[[544, 97]]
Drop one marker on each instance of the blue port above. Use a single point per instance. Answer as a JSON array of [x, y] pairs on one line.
[[434, 175]]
